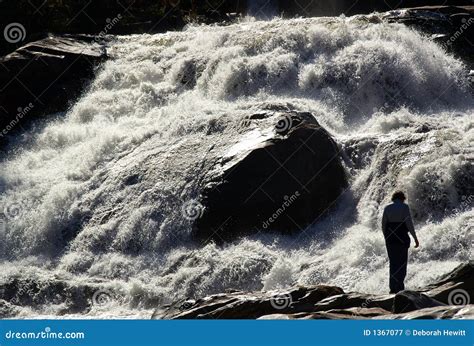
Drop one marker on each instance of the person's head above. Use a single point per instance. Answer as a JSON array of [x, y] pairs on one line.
[[398, 196]]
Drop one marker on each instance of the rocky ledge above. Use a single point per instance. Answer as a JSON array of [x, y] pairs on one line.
[[448, 298], [45, 77], [449, 26]]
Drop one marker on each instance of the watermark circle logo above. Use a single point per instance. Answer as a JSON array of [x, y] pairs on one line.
[[459, 297], [281, 301], [102, 297], [284, 123], [14, 33], [13, 210], [192, 210]]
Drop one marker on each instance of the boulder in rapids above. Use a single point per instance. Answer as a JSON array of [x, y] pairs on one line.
[[284, 173]]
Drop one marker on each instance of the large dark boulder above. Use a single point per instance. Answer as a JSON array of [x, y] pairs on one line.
[[283, 174], [44, 77]]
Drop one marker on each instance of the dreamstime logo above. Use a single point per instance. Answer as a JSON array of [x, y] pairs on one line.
[[47, 334], [14, 33], [192, 210], [288, 201], [364, 305], [459, 297], [281, 301], [22, 111], [466, 203], [284, 123], [111, 22], [465, 25], [102, 297]]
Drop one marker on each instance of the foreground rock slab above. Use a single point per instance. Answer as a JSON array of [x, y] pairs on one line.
[[439, 312], [329, 302], [241, 305]]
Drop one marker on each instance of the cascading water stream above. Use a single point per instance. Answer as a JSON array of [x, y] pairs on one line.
[[96, 195]]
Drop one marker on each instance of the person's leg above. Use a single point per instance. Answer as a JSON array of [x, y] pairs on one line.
[[397, 255], [402, 270], [392, 264]]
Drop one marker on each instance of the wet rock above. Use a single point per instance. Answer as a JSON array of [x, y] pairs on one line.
[[327, 302], [455, 288], [356, 300], [435, 313], [241, 305], [334, 314], [450, 26], [407, 301], [439, 312], [284, 173], [43, 77]]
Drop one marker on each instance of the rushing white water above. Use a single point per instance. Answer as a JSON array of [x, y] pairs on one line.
[[95, 197]]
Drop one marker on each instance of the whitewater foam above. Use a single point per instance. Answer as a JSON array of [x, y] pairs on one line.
[[95, 197]]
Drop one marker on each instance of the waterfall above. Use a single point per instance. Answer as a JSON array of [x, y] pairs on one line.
[[96, 195]]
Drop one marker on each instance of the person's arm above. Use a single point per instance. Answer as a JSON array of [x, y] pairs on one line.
[[384, 222], [411, 228]]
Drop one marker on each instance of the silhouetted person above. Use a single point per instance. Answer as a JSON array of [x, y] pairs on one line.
[[396, 224]]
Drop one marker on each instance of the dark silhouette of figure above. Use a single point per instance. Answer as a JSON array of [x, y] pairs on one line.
[[396, 224]]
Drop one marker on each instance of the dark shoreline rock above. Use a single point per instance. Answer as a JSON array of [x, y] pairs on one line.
[[407, 301], [112, 17], [241, 305], [301, 302], [45, 77], [285, 172], [328, 302], [450, 26]]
